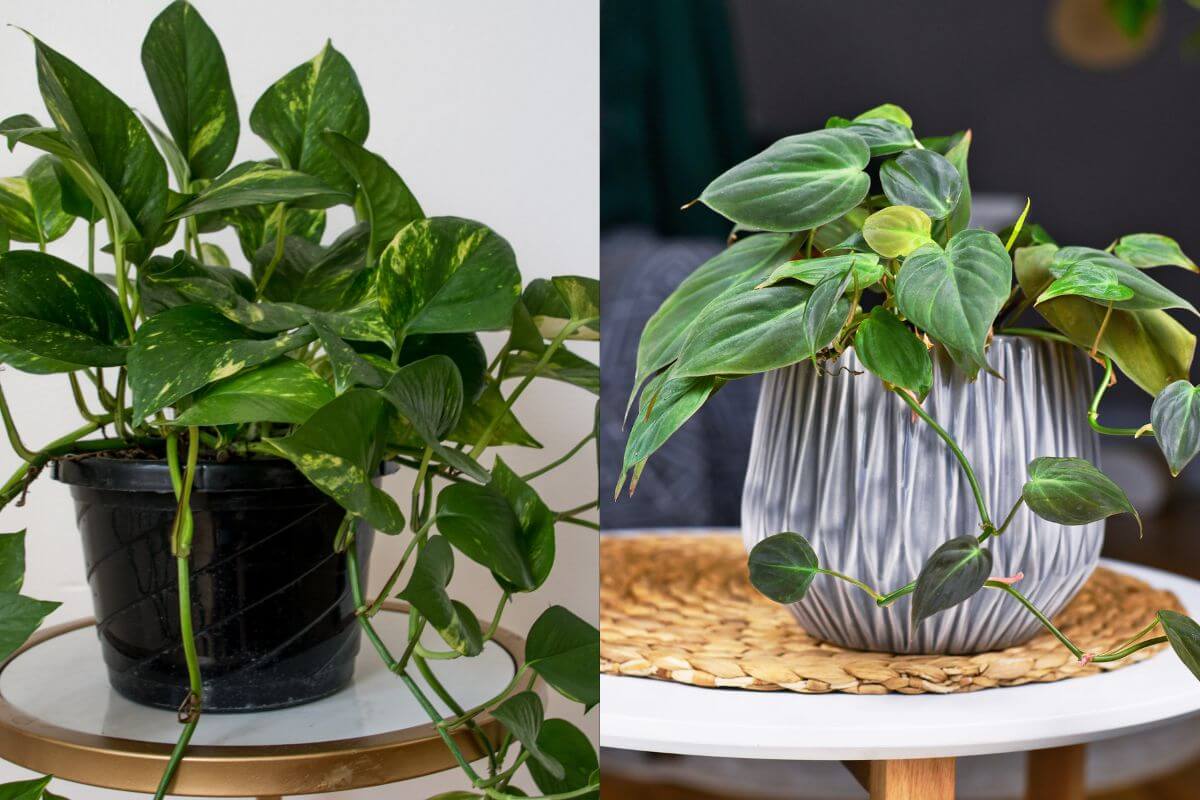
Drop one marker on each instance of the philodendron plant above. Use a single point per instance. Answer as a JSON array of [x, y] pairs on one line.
[[864, 214], [337, 357]]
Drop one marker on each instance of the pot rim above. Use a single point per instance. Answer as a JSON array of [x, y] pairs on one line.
[[153, 475]]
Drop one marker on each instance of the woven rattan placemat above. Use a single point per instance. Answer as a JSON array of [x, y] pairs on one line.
[[680, 608]]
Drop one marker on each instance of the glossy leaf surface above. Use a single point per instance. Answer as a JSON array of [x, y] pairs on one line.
[[572, 748], [564, 650], [1184, 636], [867, 270], [284, 390], [31, 206], [254, 183], [426, 591], [522, 715]]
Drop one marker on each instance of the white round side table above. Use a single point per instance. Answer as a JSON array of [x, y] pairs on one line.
[[902, 747], [59, 716]]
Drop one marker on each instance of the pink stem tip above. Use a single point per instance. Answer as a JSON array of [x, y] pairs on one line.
[[1009, 580]]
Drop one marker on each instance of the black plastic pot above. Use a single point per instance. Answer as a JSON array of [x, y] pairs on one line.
[[271, 604]]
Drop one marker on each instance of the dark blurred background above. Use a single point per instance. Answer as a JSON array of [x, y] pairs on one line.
[[1090, 108]]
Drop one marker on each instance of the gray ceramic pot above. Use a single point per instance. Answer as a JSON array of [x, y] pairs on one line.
[[840, 460]]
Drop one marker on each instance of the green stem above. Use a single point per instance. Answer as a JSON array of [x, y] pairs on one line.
[[1035, 332], [507, 775], [419, 484], [122, 280], [485, 744], [119, 411], [461, 719], [1117, 655], [580, 792], [381, 598], [280, 235], [876, 596], [1042, 618], [1009, 517], [583, 523], [896, 594], [564, 458], [1094, 410], [962, 459], [571, 512], [495, 623], [80, 400], [185, 737], [91, 247], [10, 428]]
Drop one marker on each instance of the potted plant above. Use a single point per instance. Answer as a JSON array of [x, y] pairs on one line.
[[912, 444], [236, 422]]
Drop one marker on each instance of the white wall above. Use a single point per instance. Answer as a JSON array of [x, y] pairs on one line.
[[489, 111]]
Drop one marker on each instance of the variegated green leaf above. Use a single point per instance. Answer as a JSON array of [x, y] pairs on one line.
[[563, 300], [563, 366], [12, 561], [254, 183], [31, 205], [283, 390], [426, 592]]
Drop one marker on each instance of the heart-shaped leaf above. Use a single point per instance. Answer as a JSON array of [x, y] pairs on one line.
[[448, 275], [883, 136], [760, 330], [1090, 280], [954, 294], [32, 206], [187, 72], [522, 715], [168, 282], [825, 311], [535, 524], [1147, 293], [783, 566], [20, 616], [922, 179], [1184, 636], [186, 348], [339, 449], [254, 183], [318, 96], [955, 571], [285, 390], [571, 748], [865, 267], [1152, 250], [426, 591], [55, 317], [666, 404], [12, 561], [385, 197], [897, 230], [1150, 347], [1070, 491], [564, 650], [1175, 415], [797, 183], [464, 349], [887, 111], [482, 525], [891, 350], [564, 300], [955, 149]]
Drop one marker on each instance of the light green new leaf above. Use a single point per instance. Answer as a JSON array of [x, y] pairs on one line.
[[897, 230], [571, 748], [318, 96], [954, 294], [1175, 415], [448, 275], [339, 449], [783, 566], [866, 267], [666, 404], [564, 650], [1091, 280], [426, 591], [12, 561], [31, 206], [1152, 250], [891, 350], [183, 349], [922, 179], [956, 571], [889, 111], [883, 136], [20, 616], [797, 183], [284, 390], [388, 203], [1147, 293], [55, 317], [1071, 491], [254, 183], [1151, 347], [187, 72], [1184, 636], [522, 715]]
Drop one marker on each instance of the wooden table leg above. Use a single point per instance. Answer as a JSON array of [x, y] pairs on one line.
[[1056, 774], [906, 779]]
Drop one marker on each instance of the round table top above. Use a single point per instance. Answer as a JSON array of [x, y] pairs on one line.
[[657, 716], [59, 716]]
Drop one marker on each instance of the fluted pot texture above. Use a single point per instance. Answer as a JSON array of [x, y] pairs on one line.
[[841, 460]]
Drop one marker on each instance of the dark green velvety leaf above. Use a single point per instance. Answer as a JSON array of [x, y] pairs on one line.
[[522, 715], [897, 230], [339, 450], [1148, 346], [1175, 415], [836, 236], [318, 96], [448, 275], [105, 134], [955, 149], [756, 331], [825, 311], [891, 350], [797, 183], [284, 390], [481, 525], [954, 294], [464, 349], [1070, 491], [32, 789], [783, 566], [12, 561], [565, 650], [254, 183], [883, 136], [665, 405], [187, 72], [31, 205], [955, 571], [1184, 635], [889, 111], [743, 265], [1090, 280], [388, 202], [922, 179], [571, 748], [865, 266], [1152, 250], [55, 317], [325, 278], [186, 348], [20, 616], [1146, 293], [563, 366], [426, 591]]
